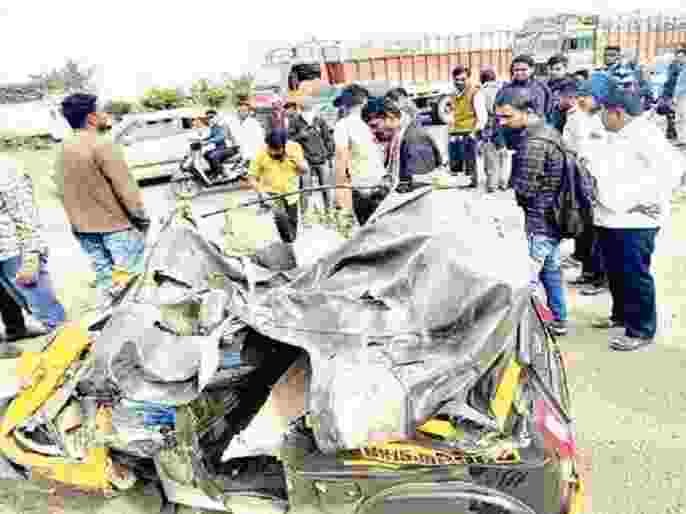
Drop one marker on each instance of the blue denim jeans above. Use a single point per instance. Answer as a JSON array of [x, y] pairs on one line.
[[545, 257], [461, 148], [123, 249], [39, 299], [628, 255]]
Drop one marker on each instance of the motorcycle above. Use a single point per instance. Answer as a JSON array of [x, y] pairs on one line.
[[195, 173]]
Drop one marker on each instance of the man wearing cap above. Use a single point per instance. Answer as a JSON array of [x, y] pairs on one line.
[[636, 171], [584, 125], [275, 170], [358, 160], [469, 119], [103, 202]]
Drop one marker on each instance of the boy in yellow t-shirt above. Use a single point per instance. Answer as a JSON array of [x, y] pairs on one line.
[[276, 170]]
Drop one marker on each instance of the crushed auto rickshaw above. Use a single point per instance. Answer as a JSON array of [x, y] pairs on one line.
[[407, 369]]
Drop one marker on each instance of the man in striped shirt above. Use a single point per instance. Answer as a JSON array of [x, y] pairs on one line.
[[23, 258]]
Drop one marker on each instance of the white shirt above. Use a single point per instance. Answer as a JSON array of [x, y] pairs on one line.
[[366, 163], [580, 128], [634, 166], [249, 135]]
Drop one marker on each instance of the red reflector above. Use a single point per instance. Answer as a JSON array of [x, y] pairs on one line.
[[555, 431]]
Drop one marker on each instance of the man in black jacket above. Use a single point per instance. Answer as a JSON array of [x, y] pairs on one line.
[[316, 139], [412, 152]]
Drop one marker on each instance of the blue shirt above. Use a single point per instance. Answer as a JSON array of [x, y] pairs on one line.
[[217, 136]]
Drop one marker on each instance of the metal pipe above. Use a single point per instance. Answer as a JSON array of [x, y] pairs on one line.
[[281, 196]]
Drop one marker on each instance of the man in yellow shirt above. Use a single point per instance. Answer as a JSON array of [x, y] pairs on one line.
[[276, 170]]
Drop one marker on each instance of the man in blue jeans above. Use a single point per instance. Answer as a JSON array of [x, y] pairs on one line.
[[102, 200], [24, 277], [537, 168], [636, 170]]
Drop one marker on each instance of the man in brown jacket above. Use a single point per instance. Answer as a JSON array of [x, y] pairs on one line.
[[102, 200]]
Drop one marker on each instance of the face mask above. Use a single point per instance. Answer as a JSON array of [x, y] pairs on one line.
[[460, 85]]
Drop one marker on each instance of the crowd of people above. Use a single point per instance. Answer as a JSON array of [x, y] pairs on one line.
[[529, 133]]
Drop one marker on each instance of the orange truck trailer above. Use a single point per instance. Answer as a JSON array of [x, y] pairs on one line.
[[321, 70]]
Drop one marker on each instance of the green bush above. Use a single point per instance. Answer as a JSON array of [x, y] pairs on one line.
[[16, 143], [216, 97], [158, 99], [121, 108], [202, 93]]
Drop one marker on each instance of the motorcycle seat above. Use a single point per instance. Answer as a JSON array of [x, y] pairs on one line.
[[229, 152]]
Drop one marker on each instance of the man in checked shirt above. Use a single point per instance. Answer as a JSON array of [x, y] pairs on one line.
[[24, 279]]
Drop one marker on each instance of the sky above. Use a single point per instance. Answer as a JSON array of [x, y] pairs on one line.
[[144, 43]]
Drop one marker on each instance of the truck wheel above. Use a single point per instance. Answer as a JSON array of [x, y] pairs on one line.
[[442, 110]]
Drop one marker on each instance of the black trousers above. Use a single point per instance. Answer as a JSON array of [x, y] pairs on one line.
[[628, 255], [11, 313], [587, 251], [366, 201], [286, 220]]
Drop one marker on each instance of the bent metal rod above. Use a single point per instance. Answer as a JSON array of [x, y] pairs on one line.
[[279, 197]]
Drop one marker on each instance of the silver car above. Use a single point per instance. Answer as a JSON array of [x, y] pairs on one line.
[[155, 143]]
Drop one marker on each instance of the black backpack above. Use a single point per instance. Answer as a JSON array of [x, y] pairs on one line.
[[311, 138], [572, 209]]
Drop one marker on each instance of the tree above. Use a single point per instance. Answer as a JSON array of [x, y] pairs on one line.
[[203, 93], [215, 97], [158, 99], [239, 86], [120, 108], [70, 78]]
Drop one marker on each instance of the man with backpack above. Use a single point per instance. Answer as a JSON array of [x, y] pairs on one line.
[[539, 167], [313, 134]]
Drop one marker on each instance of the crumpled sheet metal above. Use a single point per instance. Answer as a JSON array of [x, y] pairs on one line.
[[148, 364], [130, 348], [429, 282], [432, 279]]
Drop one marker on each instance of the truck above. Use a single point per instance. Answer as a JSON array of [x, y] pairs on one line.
[[576, 36], [321, 70]]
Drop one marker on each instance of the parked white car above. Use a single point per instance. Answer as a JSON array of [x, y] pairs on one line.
[[155, 143]]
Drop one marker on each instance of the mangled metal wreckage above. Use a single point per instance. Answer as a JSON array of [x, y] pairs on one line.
[[407, 369]]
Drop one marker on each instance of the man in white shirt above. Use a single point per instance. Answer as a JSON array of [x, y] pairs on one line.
[[637, 171], [247, 131], [583, 124], [358, 161]]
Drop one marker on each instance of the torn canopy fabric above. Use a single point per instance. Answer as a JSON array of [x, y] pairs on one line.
[[405, 318], [411, 312]]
